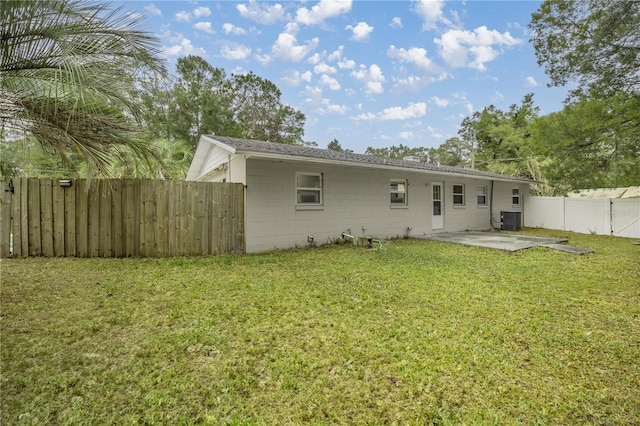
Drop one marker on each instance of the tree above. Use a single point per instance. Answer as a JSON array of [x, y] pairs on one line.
[[497, 140], [453, 152], [399, 152], [67, 73], [199, 105], [334, 145], [257, 109], [593, 42], [591, 144], [202, 99]]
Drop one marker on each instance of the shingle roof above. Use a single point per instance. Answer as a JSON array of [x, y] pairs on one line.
[[302, 152]]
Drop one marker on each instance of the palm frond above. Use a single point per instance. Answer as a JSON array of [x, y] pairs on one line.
[[67, 71]]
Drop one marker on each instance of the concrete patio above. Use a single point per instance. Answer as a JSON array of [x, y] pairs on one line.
[[500, 241]]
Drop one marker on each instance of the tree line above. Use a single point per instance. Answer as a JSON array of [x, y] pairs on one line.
[[83, 91]]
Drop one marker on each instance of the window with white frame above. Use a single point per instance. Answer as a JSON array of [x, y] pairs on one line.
[[515, 196], [458, 195], [398, 192], [309, 189], [482, 195]]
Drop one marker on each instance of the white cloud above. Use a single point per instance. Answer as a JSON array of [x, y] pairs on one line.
[[371, 77], [337, 109], [263, 59], [413, 110], [201, 11], [396, 23], [198, 12], [316, 58], [237, 52], [294, 77], [415, 55], [405, 135], [183, 48], [286, 47], [326, 107], [329, 82], [410, 83], [369, 116], [232, 29], [204, 26], [361, 31], [323, 68], [314, 94], [324, 9], [440, 102], [262, 13], [336, 54], [531, 82], [497, 97], [398, 113], [435, 133], [343, 63], [347, 64], [152, 9], [456, 45], [431, 13], [183, 16]]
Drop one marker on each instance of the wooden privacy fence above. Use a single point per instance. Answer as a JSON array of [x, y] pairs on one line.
[[120, 218]]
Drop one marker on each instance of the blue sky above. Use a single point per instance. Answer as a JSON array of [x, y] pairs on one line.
[[368, 73]]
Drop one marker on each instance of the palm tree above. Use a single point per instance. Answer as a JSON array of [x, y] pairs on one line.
[[67, 76]]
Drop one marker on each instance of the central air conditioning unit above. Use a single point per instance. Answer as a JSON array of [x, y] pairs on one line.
[[510, 221]]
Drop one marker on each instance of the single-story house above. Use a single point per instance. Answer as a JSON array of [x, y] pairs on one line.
[[298, 194]]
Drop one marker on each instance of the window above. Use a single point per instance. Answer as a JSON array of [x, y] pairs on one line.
[[309, 188], [458, 195], [482, 195], [515, 196], [398, 192]]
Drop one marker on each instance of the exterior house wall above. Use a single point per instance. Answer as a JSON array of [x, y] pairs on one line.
[[237, 170], [502, 200], [355, 199]]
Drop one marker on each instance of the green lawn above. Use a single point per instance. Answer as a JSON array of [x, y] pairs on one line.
[[420, 332]]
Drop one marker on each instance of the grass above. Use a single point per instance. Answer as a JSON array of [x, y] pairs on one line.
[[419, 333]]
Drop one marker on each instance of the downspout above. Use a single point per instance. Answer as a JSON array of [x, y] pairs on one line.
[[229, 168], [523, 200], [491, 207]]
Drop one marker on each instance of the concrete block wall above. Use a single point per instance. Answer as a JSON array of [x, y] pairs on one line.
[[355, 199]]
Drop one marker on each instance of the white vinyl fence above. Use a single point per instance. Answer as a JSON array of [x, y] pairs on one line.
[[602, 216]]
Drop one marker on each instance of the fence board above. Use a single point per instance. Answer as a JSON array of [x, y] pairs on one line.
[[46, 216], [129, 221], [105, 219], [58, 219], [70, 221], [35, 228], [5, 220], [16, 217], [82, 217], [24, 223], [93, 234], [118, 218]]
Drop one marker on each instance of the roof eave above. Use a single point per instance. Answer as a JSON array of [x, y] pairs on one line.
[[277, 156]]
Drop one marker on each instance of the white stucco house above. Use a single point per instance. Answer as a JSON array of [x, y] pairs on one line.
[[294, 192]]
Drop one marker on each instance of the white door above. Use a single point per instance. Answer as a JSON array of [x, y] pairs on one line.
[[437, 219]]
